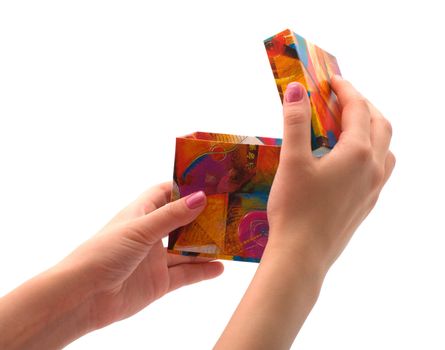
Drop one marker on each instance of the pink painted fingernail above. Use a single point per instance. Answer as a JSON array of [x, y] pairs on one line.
[[294, 92], [195, 200]]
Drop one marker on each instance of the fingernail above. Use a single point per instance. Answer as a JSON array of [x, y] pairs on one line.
[[336, 77], [195, 200], [294, 92]]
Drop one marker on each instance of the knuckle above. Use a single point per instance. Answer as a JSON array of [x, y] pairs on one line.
[[140, 237], [377, 174], [359, 102], [344, 83], [390, 163], [374, 200], [362, 152], [175, 211], [295, 116], [292, 162], [384, 126], [358, 106], [387, 126], [392, 159]]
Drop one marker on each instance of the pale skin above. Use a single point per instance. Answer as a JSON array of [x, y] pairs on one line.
[[125, 267]]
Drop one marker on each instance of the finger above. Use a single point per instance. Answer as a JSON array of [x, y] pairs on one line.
[[390, 163], [389, 167], [148, 201], [152, 227], [381, 133], [356, 116], [297, 122], [155, 197], [177, 259], [185, 274]]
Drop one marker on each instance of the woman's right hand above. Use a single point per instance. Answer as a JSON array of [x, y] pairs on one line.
[[316, 204], [314, 207]]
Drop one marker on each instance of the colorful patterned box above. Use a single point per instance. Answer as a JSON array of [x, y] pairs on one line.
[[236, 172], [293, 58]]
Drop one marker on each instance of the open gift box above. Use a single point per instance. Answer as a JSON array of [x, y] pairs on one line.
[[236, 172]]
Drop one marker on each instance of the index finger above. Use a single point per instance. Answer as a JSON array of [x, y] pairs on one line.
[[147, 202], [356, 116], [155, 197], [381, 133]]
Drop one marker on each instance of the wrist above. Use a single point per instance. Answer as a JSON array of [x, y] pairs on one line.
[[299, 256], [49, 311], [74, 294], [283, 291]]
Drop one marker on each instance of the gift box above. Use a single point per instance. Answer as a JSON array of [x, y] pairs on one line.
[[236, 172], [292, 58]]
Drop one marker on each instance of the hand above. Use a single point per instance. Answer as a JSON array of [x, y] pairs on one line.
[[108, 278], [314, 207], [316, 204], [127, 262]]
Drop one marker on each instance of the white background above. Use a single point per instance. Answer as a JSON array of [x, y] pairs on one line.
[[93, 94]]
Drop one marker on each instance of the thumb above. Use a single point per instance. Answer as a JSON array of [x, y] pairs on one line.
[[297, 121], [154, 226]]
